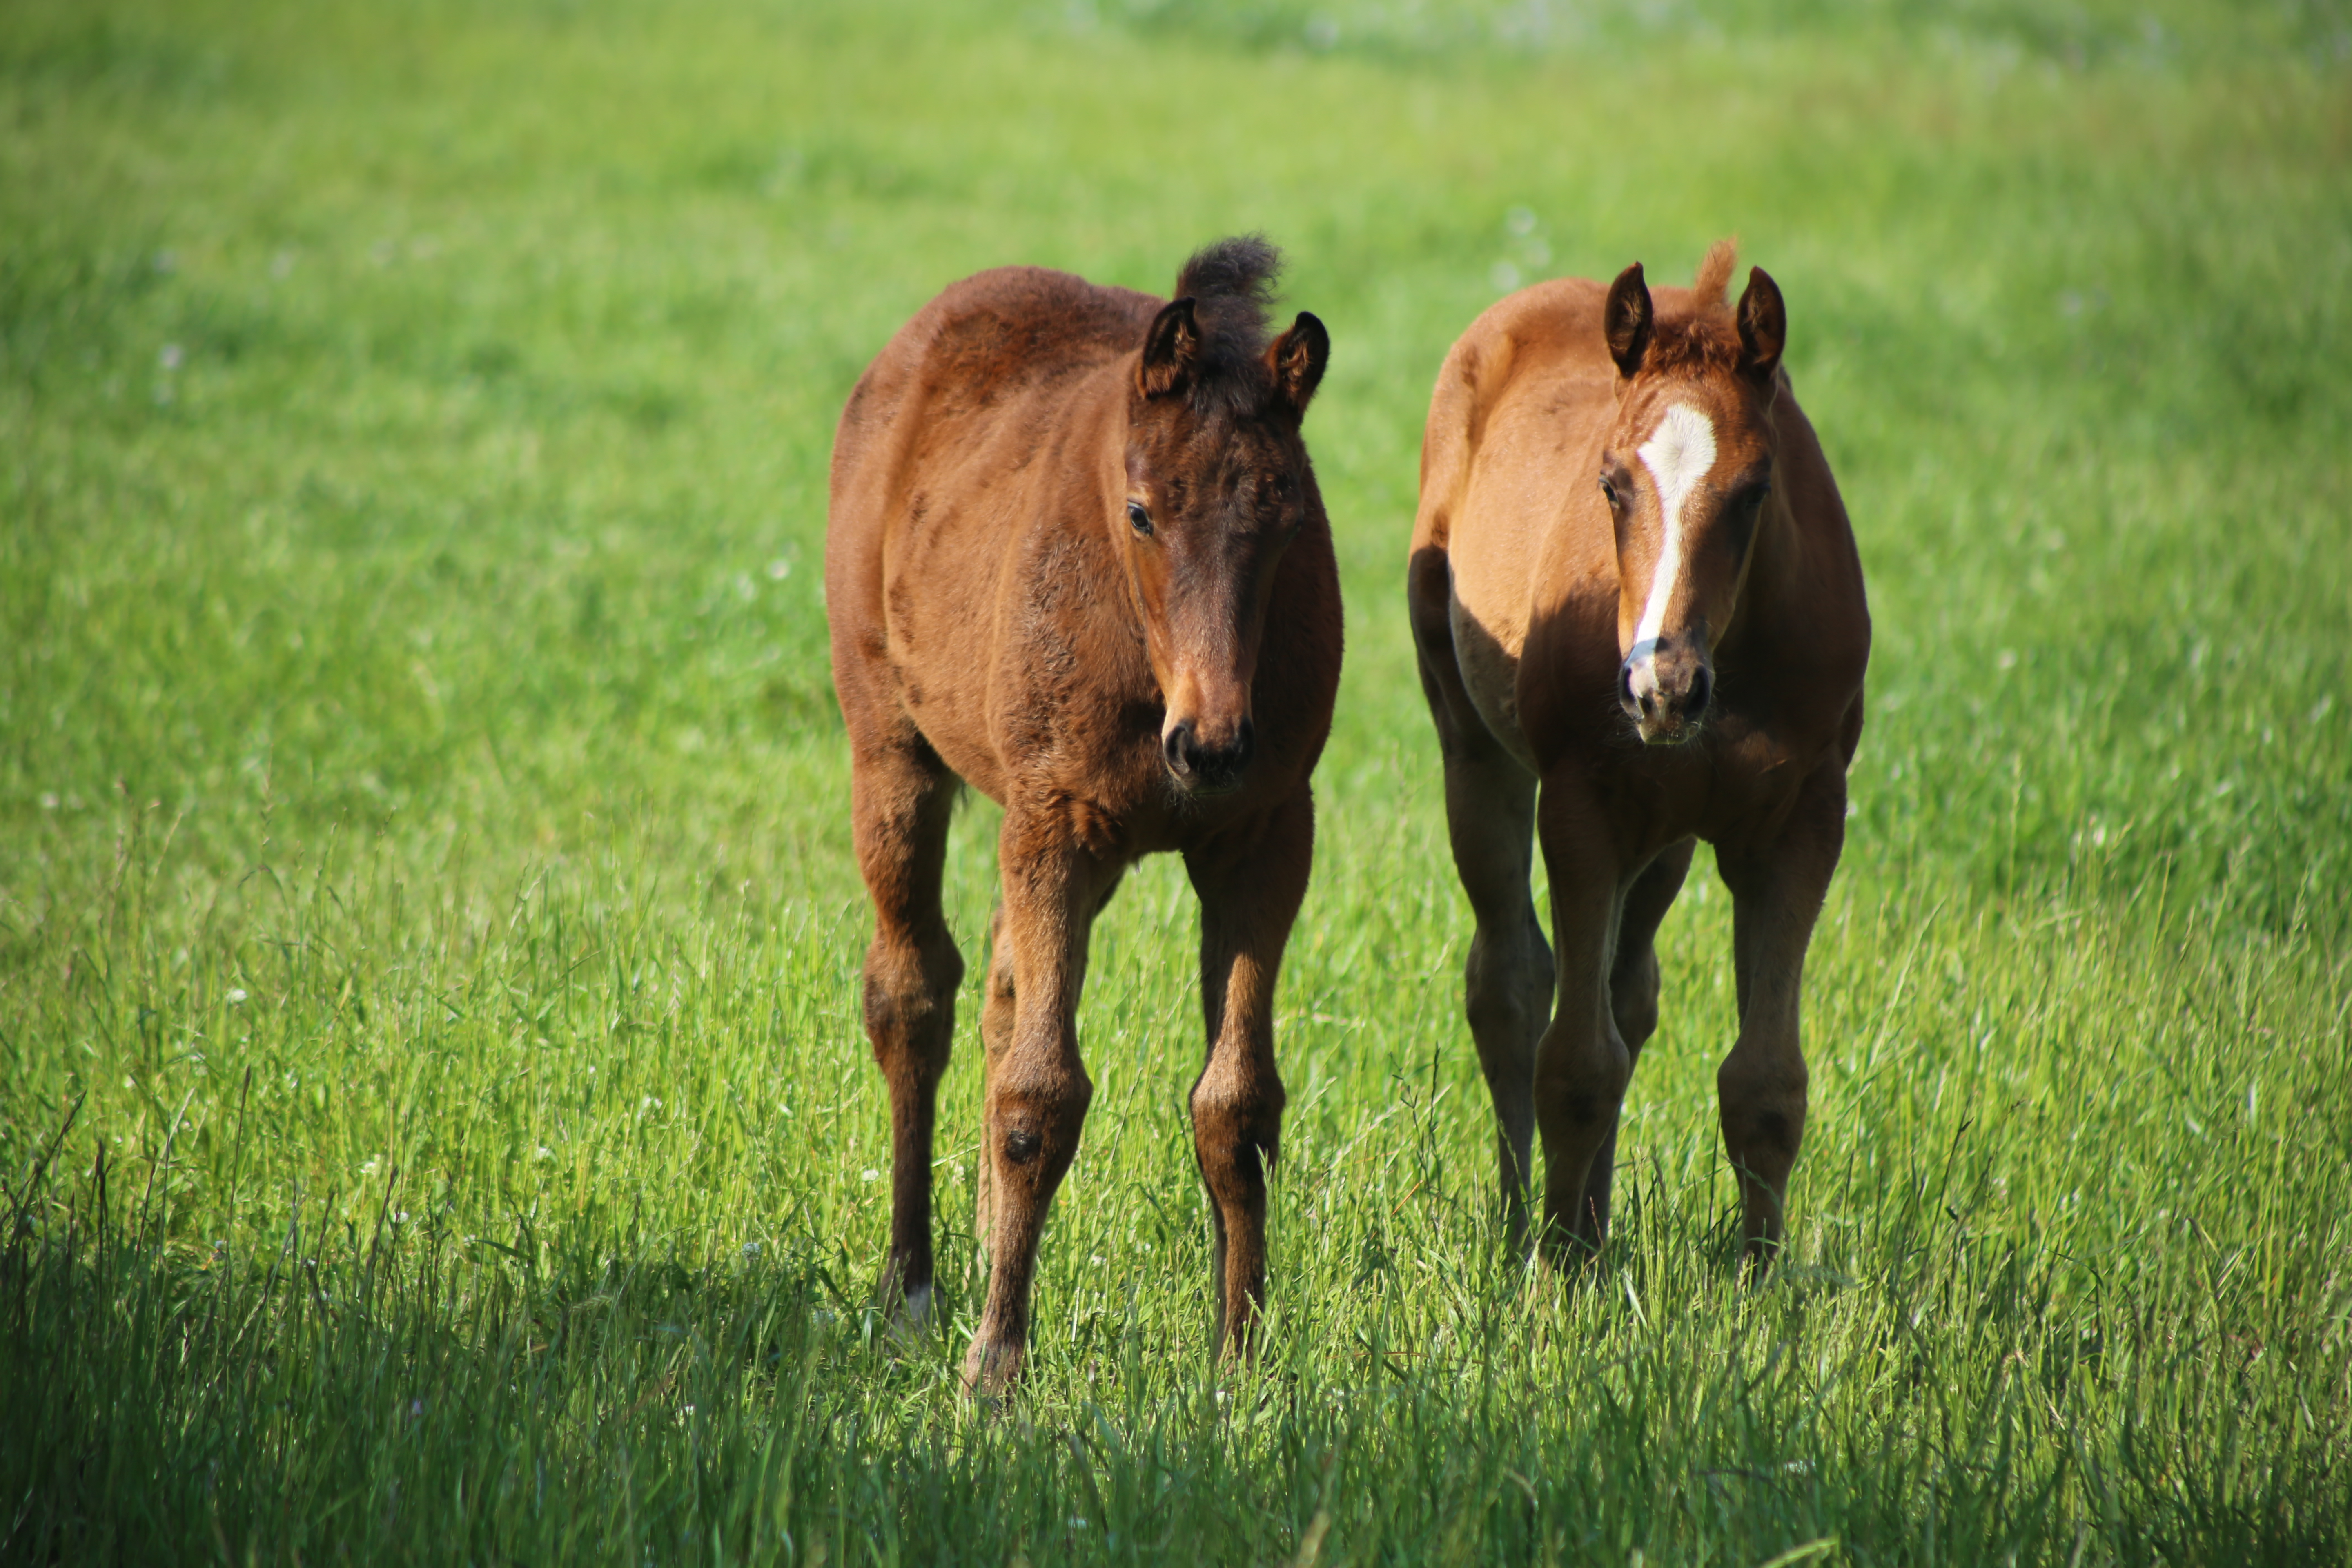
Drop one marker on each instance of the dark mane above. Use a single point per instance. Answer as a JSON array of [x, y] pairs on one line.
[[1230, 284]]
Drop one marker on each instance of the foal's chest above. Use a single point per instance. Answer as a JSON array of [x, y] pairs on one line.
[[1736, 782]]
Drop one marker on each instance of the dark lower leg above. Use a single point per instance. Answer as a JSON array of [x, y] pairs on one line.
[[996, 1018], [1236, 1138], [1506, 991], [910, 1018], [1250, 891], [1508, 974], [1762, 1096], [900, 802], [1581, 1077], [1032, 1139], [1777, 890], [1633, 1007], [1581, 1065], [1037, 1086]]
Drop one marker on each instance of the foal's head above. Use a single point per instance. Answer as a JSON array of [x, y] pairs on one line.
[[1217, 486], [1688, 471]]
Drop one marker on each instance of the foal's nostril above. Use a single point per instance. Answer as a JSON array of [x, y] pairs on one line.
[[1205, 769], [1625, 687], [1702, 686], [1177, 748]]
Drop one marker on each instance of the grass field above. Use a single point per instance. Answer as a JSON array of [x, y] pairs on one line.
[[434, 1115]]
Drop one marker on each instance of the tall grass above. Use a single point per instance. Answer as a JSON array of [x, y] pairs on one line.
[[434, 1115]]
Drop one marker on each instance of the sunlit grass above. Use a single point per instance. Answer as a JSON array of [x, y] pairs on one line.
[[432, 1107]]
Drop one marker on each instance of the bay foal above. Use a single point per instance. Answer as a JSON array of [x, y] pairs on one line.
[[1076, 559], [1639, 622]]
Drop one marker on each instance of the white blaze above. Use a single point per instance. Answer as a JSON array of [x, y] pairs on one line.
[[1678, 456]]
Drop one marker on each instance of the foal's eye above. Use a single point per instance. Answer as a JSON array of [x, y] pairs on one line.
[[1608, 489], [1139, 519]]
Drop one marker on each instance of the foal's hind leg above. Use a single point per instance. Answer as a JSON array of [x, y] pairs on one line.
[[901, 796], [1633, 1004], [1777, 888], [1250, 889]]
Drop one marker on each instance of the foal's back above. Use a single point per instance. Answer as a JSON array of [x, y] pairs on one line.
[[997, 361], [950, 459]]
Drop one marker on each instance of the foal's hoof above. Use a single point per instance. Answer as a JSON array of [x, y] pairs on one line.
[[910, 1317], [991, 1368], [1569, 1254], [1756, 1258]]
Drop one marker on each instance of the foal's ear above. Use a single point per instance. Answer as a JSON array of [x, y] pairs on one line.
[[1763, 327], [1625, 321], [1297, 359], [1169, 349]]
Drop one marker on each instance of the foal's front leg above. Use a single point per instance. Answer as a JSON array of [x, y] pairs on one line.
[[1250, 887], [1634, 1007], [1582, 1064], [998, 1017], [1038, 1088], [1777, 888]]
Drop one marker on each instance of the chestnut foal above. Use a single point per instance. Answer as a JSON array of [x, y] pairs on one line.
[[1639, 621], [1076, 559]]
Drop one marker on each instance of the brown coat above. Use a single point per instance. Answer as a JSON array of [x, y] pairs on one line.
[[1633, 588], [1077, 558]]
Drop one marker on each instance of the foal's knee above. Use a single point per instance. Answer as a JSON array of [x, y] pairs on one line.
[[1583, 1087], [1506, 990], [1238, 1133], [1034, 1122], [1763, 1110], [910, 987]]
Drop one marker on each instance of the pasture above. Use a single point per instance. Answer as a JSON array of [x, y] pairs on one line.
[[433, 1114]]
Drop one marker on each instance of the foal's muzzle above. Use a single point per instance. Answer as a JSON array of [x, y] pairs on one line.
[[1205, 768], [1664, 687]]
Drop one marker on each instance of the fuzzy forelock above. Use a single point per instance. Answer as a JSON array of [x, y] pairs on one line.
[[1714, 272], [1235, 277], [1703, 338], [1230, 284]]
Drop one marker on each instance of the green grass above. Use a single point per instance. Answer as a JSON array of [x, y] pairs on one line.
[[434, 1116]]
